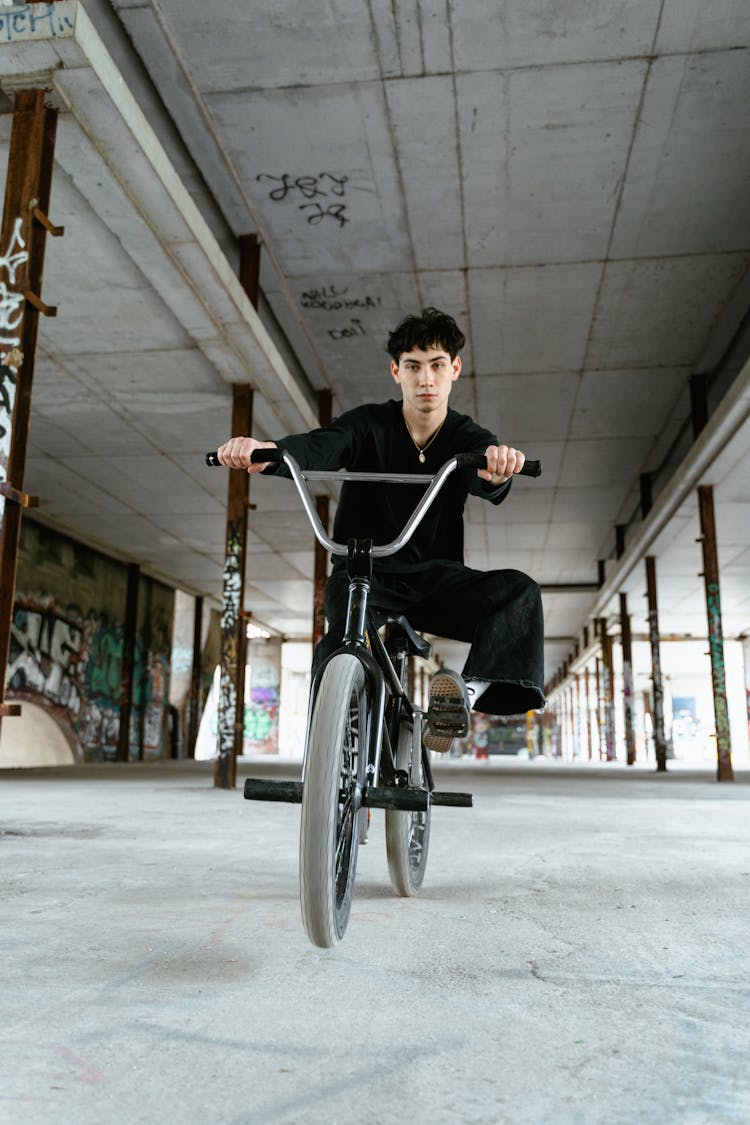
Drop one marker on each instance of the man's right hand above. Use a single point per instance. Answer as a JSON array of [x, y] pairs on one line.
[[235, 453]]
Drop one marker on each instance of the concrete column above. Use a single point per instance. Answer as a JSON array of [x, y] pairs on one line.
[[608, 690], [564, 723], [627, 678], [570, 725], [599, 710], [746, 662], [587, 704], [576, 694], [657, 715], [724, 771]]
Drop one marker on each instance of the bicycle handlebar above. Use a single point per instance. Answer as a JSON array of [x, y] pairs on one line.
[[436, 482], [463, 461]]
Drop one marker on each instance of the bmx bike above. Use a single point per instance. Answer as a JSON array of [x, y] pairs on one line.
[[363, 747]]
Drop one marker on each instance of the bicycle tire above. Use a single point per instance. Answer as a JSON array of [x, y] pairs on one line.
[[407, 834], [334, 779]]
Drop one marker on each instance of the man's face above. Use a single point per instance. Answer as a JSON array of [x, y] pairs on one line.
[[426, 378]]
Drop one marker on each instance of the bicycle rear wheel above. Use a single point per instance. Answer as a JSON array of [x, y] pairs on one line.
[[331, 809], [407, 834]]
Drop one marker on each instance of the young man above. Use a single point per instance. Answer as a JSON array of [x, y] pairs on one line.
[[499, 612]]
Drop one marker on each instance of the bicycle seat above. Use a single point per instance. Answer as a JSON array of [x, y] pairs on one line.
[[400, 629]]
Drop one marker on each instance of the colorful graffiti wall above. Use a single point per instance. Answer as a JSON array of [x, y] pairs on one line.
[[67, 640], [261, 730]]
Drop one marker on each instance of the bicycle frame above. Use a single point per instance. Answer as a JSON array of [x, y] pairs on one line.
[[380, 674]]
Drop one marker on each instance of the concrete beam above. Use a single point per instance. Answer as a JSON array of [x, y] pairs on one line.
[[729, 416], [118, 159]]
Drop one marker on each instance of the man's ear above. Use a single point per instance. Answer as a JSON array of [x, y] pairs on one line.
[[394, 371], [456, 368]]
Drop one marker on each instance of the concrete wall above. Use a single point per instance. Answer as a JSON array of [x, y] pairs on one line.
[[66, 645]]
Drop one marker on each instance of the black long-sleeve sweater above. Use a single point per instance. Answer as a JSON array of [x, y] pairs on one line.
[[374, 438]]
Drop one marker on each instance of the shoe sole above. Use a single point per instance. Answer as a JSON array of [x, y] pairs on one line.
[[447, 696]]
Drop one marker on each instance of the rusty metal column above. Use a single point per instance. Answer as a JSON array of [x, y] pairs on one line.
[[559, 721], [322, 503], [587, 696], [660, 742], [233, 621], [127, 667], [569, 721], [724, 771], [576, 694], [233, 624], [627, 678], [22, 243], [608, 692], [194, 698], [599, 713], [746, 664], [563, 722]]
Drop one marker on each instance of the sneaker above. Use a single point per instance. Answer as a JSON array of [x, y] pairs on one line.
[[448, 711]]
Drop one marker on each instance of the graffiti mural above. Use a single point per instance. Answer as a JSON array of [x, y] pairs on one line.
[[11, 316], [69, 659], [229, 619], [72, 664], [261, 718], [312, 188], [40, 21], [330, 298]]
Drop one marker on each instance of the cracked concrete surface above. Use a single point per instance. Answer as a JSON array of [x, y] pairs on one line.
[[579, 955]]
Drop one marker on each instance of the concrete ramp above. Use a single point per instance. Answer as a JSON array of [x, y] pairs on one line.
[[34, 739]]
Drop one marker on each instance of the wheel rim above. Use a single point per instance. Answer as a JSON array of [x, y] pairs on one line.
[[349, 803], [417, 826]]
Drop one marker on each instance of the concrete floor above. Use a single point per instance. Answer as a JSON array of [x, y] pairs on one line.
[[580, 954]]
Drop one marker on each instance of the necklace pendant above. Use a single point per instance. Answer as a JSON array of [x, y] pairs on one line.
[[422, 457]]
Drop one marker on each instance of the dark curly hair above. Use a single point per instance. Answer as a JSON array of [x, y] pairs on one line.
[[433, 329]]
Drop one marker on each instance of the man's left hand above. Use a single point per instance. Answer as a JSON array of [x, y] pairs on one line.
[[503, 462]]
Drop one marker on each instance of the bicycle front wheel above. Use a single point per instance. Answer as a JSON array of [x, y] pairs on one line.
[[331, 800], [407, 834]]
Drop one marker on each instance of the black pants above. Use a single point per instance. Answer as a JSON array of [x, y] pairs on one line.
[[499, 612]]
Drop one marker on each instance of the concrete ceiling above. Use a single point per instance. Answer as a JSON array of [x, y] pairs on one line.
[[570, 180]]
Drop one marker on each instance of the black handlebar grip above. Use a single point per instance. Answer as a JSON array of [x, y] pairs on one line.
[[258, 457], [264, 456], [479, 461], [471, 460]]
